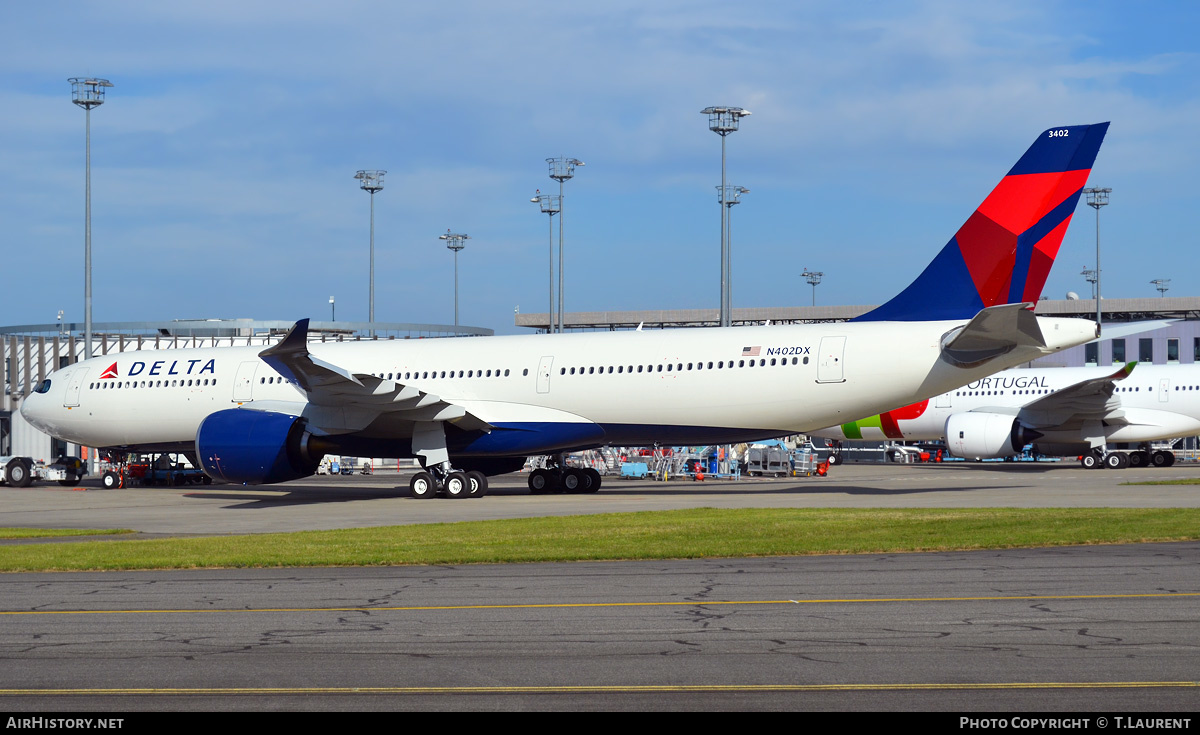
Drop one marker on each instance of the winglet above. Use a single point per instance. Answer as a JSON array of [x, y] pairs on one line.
[[1124, 372], [1003, 253], [294, 344], [291, 359], [296, 340]]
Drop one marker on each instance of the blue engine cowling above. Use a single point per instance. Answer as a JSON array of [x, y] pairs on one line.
[[255, 447]]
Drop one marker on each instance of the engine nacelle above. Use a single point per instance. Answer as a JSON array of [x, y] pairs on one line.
[[986, 435], [255, 447]]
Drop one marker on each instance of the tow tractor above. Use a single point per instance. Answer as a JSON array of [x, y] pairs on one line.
[[22, 471]]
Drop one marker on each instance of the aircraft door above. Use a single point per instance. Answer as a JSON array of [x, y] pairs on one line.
[[1164, 390], [543, 375], [243, 384], [71, 397], [943, 401], [829, 361]]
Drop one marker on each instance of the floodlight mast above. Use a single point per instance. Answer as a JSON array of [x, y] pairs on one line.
[[371, 181], [561, 169], [454, 241], [1161, 285], [1089, 275], [88, 93], [733, 195], [813, 278], [1097, 198], [550, 204], [723, 120]]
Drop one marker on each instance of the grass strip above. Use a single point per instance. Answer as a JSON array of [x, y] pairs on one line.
[[1183, 481], [680, 534], [51, 532]]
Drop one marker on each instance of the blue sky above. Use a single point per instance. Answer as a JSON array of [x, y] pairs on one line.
[[223, 159]]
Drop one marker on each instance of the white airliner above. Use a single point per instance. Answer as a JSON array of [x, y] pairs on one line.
[[1062, 412], [252, 416]]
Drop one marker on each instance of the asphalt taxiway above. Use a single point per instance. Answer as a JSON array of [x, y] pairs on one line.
[[325, 502], [1101, 629]]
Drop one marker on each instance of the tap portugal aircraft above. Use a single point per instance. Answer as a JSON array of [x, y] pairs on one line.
[[1060, 411], [469, 408]]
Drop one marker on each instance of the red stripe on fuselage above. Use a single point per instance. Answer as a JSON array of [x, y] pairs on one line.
[[888, 420]]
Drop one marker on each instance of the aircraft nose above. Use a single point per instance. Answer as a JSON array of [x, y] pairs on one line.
[[34, 406]]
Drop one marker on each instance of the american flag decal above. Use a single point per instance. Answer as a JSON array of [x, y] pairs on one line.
[[751, 351]]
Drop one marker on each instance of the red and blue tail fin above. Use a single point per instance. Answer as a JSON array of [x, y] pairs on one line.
[[1003, 254]]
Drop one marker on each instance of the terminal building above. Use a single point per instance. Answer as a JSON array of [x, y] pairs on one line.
[[33, 351], [1172, 326]]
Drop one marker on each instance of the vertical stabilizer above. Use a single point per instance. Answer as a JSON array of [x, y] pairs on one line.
[[1003, 253]]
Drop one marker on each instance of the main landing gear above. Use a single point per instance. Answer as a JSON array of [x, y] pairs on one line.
[[438, 476], [1144, 457], [559, 478], [448, 482]]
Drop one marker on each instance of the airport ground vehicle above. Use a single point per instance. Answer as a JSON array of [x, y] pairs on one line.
[[24, 471], [126, 469]]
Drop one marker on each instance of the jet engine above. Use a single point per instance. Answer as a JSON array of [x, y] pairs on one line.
[[256, 447], [987, 435]]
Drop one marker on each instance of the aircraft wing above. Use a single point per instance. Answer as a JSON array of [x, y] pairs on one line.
[[1088, 400], [343, 399]]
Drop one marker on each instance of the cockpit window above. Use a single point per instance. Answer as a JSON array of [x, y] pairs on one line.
[[43, 387]]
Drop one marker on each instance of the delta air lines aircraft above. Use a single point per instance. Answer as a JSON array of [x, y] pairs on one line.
[[468, 408]]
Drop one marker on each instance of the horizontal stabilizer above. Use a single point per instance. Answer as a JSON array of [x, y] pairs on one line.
[[994, 331]]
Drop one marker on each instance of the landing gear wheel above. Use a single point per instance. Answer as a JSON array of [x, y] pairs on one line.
[[1116, 460], [422, 486], [479, 484], [1090, 461], [110, 480], [456, 485], [17, 473], [541, 482], [1162, 459], [1139, 459], [573, 480], [593, 477], [834, 459]]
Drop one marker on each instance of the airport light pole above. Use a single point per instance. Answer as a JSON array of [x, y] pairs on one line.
[[1097, 198], [732, 195], [88, 93], [1161, 285], [550, 204], [561, 169], [454, 241], [813, 278], [1089, 275], [332, 310], [371, 181], [723, 120]]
